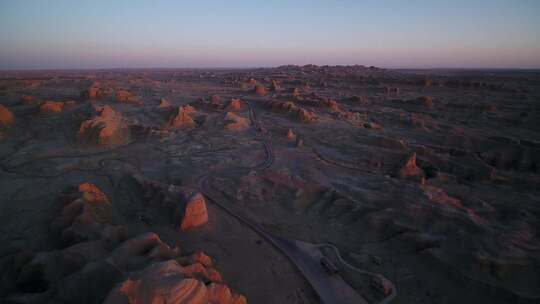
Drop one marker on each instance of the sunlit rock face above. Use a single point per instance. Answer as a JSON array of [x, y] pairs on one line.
[[6, 117], [193, 212], [183, 118], [107, 128], [234, 122], [52, 107]]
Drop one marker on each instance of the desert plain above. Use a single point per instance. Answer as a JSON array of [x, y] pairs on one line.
[[293, 184]]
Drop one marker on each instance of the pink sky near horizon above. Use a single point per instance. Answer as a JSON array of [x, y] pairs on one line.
[[130, 34]]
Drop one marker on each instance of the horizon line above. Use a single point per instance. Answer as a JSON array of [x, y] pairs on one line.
[[266, 67]]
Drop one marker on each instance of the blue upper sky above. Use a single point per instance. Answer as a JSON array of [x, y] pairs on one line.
[[234, 33]]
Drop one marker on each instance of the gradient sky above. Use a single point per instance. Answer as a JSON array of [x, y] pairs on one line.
[[43, 34]]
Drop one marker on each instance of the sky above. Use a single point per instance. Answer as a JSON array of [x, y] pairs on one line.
[[67, 34]]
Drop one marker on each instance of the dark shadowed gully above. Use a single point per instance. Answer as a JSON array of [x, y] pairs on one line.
[[296, 184]]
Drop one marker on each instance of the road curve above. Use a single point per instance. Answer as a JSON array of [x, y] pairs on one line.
[[332, 289]]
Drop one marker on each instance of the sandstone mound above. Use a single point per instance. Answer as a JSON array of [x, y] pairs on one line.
[[51, 107], [164, 104], [27, 99], [275, 86], [159, 283], [409, 169], [124, 96], [193, 213], [290, 107], [291, 135], [97, 90], [85, 217], [166, 282], [235, 122], [235, 104], [306, 116], [260, 90], [105, 264], [281, 106], [332, 105], [6, 117], [183, 118], [107, 128]]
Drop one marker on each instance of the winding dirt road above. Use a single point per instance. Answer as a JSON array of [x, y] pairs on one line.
[[331, 288]]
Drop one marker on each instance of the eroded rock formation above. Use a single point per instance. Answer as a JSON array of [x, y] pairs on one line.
[[106, 128], [235, 122], [6, 117], [192, 212], [183, 118], [52, 107]]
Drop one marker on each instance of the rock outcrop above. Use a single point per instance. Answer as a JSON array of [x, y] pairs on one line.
[[409, 169], [107, 128], [307, 116], [290, 107], [97, 90], [235, 104], [183, 118], [167, 282], [51, 107], [124, 96], [192, 213], [235, 122], [106, 266], [291, 135], [6, 117], [164, 104], [275, 86], [260, 90]]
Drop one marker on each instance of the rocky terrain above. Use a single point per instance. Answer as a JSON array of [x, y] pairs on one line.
[[221, 186]]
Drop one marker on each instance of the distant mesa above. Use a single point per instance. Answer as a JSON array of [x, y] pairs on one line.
[[106, 128]]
